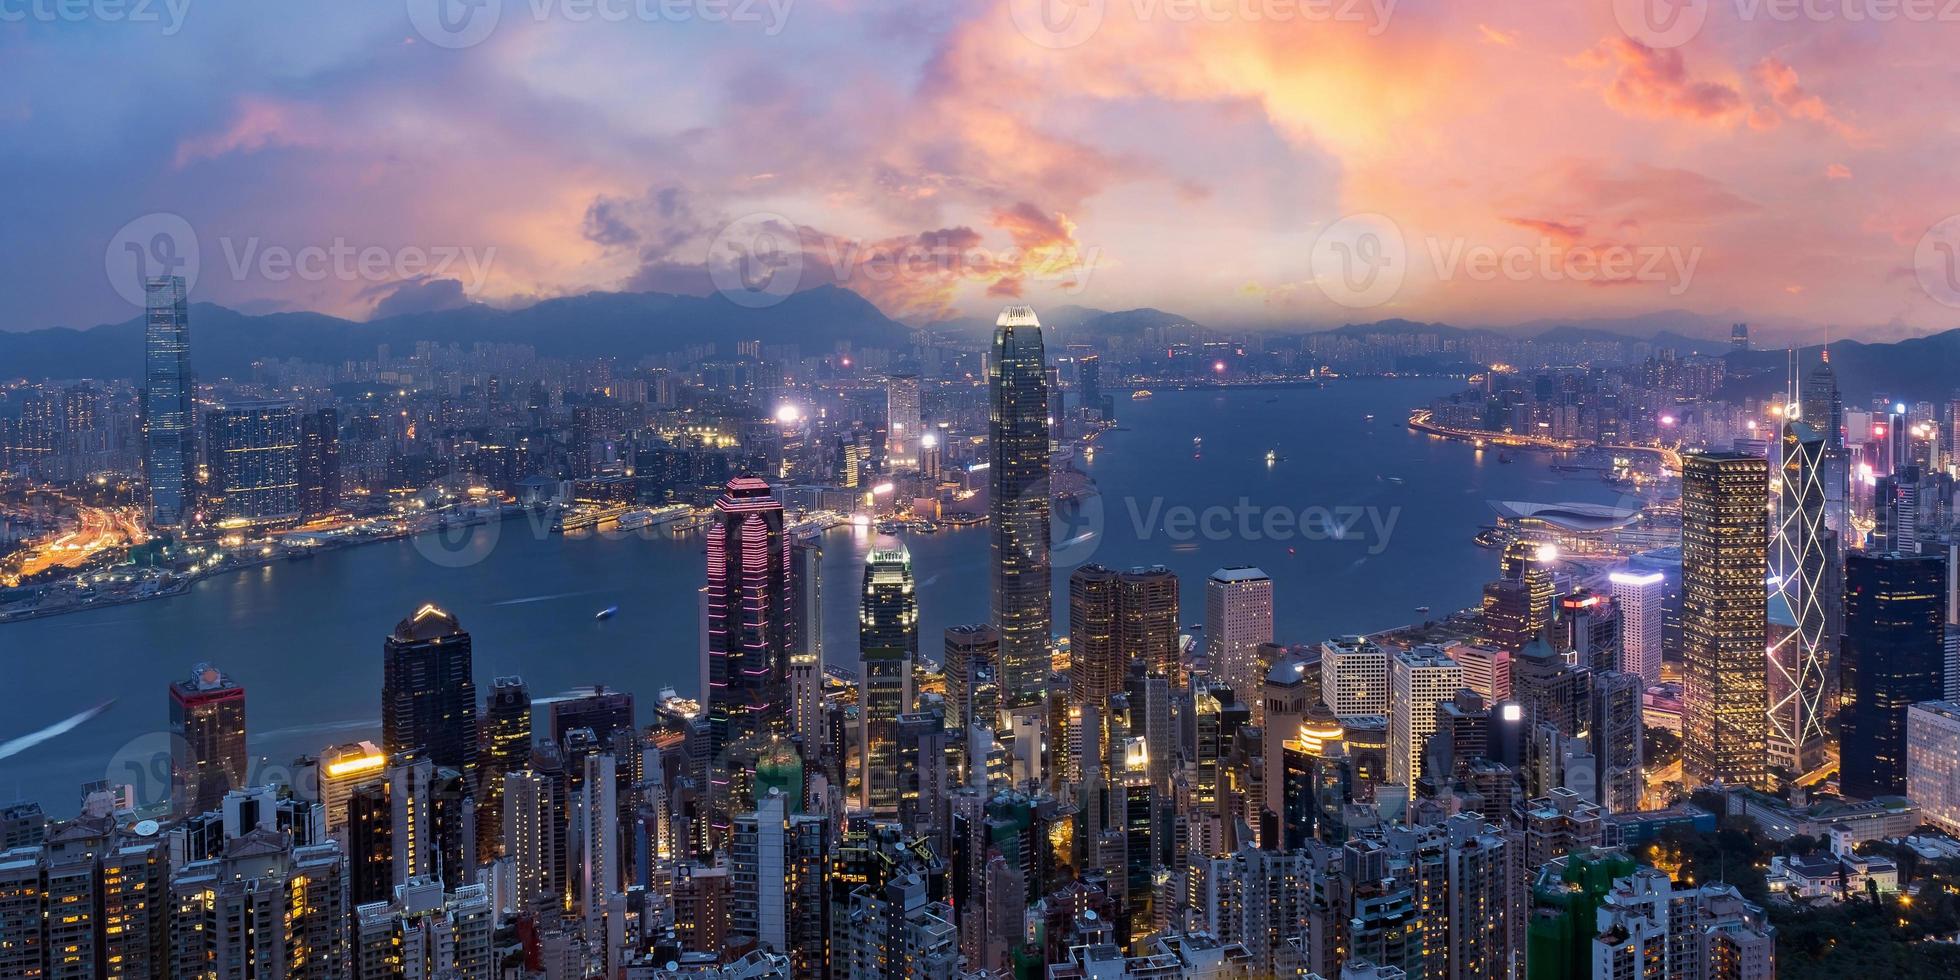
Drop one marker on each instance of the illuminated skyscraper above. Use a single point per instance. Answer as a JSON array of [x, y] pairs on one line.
[[902, 426], [253, 452], [1894, 656], [1238, 619], [1800, 649], [1096, 663], [806, 643], [1642, 598], [1147, 625], [748, 628], [207, 750], [1354, 676], [888, 642], [342, 769], [319, 462], [428, 692], [972, 663], [1418, 680], [1018, 489], [1724, 617], [169, 443], [506, 749]]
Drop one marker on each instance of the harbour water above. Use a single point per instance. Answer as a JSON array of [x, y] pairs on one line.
[[1358, 520]]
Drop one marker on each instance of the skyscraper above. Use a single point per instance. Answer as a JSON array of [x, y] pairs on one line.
[[888, 642], [972, 663], [253, 451], [1354, 676], [428, 691], [1147, 625], [506, 749], [169, 443], [1096, 663], [1822, 408], [1642, 598], [319, 462], [1800, 653], [902, 426], [1724, 613], [1019, 505], [748, 630], [1418, 679], [806, 643], [207, 750], [1894, 655], [1238, 619]]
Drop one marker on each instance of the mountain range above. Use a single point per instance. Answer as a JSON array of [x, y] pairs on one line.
[[632, 325]]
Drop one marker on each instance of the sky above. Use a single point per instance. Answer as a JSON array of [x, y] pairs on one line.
[[1242, 162]]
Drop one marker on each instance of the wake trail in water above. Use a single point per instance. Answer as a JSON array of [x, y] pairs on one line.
[[546, 598], [16, 746]]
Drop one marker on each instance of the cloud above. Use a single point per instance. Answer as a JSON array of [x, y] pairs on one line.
[[1838, 171], [1556, 230], [1495, 36], [257, 124], [1656, 82], [421, 296]]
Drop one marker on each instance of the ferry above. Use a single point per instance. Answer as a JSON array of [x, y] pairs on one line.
[[1272, 456], [633, 520], [1140, 394], [607, 613]]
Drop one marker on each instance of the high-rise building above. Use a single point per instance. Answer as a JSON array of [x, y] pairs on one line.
[[506, 749], [1354, 676], [1418, 680], [806, 643], [1486, 670], [1894, 655], [342, 769], [903, 429], [971, 664], [1096, 662], [888, 644], [749, 615], [1800, 647], [1933, 762], [1724, 617], [252, 449], [779, 865], [1642, 600], [1147, 624], [319, 462], [262, 907], [599, 840], [1519, 605], [428, 691], [1019, 504], [207, 747], [1088, 382], [425, 932], [1238, 620], [87, 901], [1618, 739], [1822, 408], [169, 441]]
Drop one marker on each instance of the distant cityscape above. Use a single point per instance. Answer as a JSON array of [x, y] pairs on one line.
[[1709, 730]]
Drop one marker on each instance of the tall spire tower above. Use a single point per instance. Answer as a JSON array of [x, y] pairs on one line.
[[1018, 490]]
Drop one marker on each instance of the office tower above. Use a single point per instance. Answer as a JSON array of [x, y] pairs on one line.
[[1895, 512], [1238, 620], [1519, 605], [903, 429], [338, 772], [1894, 655], [169, 442], [1587, 630], [88, 901], [779, 867], [1096, 662], [425, 932], [1739, 336], [1933, 762], [806, 643], [1291, 690], [428, 691], [1418, 680], [319, 462], [1618, 739], [252, 452], [748, 630], [1019, 505], [1724, 617], [603, 712], [1367, 740], [370, 851], [971, 662], [1486, 670], [506, 749], [888, 644], [262, 908], [1147, 626], [1799, 656], [207, 747], [1354, 676], [1641, 598], [1821, 407]]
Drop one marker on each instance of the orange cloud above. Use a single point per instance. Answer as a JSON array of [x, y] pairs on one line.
[[1655, 82], [258, 124]]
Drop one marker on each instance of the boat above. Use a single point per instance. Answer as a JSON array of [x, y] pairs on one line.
[[1140, 394], [1272, 456], [1398, 481], [1367, 418], [607, 613], [633, 520]]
